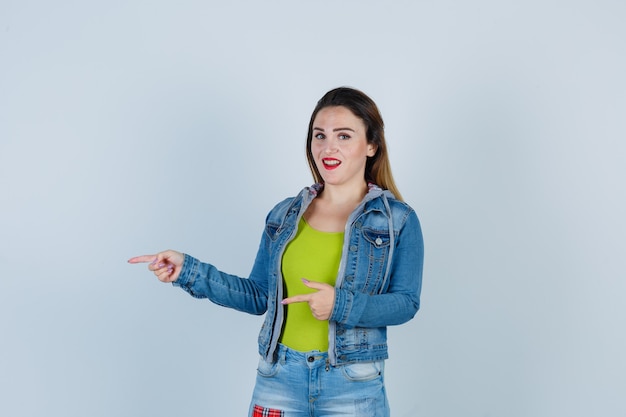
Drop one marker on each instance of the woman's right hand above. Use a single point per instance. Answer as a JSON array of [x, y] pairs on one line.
[[166, 265]]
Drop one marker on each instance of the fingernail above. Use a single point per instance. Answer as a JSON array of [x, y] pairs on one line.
[[306, 281], [282, 302], [155, 259]]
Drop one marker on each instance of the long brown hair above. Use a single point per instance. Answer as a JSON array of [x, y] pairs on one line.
[[377, 167]]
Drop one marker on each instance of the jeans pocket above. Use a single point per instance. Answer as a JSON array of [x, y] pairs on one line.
[[366, 371], [267, 369]]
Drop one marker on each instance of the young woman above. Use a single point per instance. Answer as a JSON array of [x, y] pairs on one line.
[[336, 265]]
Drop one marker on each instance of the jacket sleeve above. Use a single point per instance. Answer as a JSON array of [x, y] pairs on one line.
[[401, 301], [203, 280]]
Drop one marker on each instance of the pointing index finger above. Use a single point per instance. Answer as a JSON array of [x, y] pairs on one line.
[[142, 259]]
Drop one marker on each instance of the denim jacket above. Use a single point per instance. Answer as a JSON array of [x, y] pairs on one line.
[[378, 283]]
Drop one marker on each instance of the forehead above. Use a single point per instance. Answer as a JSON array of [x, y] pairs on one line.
[[337, 116]]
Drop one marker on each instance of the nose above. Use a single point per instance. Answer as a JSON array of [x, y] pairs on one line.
[[331, 146]]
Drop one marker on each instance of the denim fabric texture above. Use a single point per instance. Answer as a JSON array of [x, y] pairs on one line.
[[378, 283], [303, 384]]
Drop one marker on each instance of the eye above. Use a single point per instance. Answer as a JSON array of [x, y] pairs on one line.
[[320, 136], [343, 136]]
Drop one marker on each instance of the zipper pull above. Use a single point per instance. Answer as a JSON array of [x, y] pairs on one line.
[[327, 364]]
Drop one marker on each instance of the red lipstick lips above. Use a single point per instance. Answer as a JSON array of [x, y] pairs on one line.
[[331, 163]]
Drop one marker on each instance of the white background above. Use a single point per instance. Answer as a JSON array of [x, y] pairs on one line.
[[131, 127]]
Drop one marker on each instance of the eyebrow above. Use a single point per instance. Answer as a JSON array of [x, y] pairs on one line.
[[336, 130]]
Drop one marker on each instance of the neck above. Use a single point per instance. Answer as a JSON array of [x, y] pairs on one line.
[[340, 195]]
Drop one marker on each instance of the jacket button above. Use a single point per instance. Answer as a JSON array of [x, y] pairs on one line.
[[310, 359], [378, 241], [353, 248]]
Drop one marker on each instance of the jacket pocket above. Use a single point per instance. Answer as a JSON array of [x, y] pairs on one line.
[[375, 245], [272, 230], [378, 238]]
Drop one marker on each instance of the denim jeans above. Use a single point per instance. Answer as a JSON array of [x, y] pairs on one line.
[[304, 384]]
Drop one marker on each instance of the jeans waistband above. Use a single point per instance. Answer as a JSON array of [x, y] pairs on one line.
[[310, 358]]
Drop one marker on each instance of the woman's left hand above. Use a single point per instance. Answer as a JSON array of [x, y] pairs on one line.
[[321, 302]]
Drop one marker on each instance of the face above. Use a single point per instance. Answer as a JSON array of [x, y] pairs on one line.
[[339, 146]]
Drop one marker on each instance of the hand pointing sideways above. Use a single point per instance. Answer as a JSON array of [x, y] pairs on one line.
[[166, 265]]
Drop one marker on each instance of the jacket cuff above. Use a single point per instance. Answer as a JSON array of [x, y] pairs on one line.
[[188, 272], [343, 305]]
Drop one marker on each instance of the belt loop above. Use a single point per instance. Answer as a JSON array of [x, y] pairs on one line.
[[282, 353]]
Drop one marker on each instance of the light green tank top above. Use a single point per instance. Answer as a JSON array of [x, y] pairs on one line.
[[313, 255]]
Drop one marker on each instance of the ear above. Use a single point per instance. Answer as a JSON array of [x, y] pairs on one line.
[[371, 149]]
